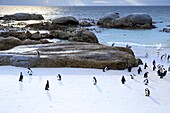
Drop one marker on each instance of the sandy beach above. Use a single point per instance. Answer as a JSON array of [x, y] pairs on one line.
[[75, 93]]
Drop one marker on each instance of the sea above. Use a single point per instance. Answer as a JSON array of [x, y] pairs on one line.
[[150, 41]]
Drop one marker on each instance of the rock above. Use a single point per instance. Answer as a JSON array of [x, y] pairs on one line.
[[70, 54], [132, 21], [86, 24], [30, 42], [107, 18], [44, 41], [36, 36], [9, 42], [165, 30], [60, 34], [69, 20], [84, 36], [23, 16]]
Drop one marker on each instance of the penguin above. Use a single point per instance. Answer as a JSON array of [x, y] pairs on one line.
[[123, 80], [145, 66], [30, 72], [139, 70], [94, 81], [59, 77], [154, 67], [146, 81], [147, 92], [47, 85], [21, 77], [38, 54], [146, 75]]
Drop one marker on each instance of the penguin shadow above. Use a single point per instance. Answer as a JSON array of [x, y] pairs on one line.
[[128, 87], [29, 79], [60, 83], [136, 81], [153, 80], [48, 95], [98, 88], [154, 100], [20, 86], [151, 87], [40, 78]]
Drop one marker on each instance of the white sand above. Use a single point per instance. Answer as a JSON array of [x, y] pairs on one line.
[[77, 94]]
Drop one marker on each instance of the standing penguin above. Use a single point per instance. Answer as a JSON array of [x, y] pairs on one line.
[[94, 81], [38, 54], [147, 92], [20, 77], [154, 67], [145, 66], [123, 80], [47, 85], [154, 62], [59, 77], [139, 70], [169, 68], [146, 75], [129, 68]]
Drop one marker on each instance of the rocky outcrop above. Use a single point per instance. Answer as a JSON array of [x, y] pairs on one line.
[[84, 36], [69, 54], [86, 24], [9, 42], [132, 21], [69, 20], [167, 30], [23, 16]]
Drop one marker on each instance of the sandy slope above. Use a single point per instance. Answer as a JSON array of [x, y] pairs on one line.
[[77, 94]]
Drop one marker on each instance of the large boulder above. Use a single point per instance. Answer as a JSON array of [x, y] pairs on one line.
[[60, 34], [23, 16], [69, 20], [84, 36], [132, 21], [9, 42], [107, 18], [70, 54]]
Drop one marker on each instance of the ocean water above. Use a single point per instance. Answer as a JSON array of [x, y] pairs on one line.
[[142, 41]]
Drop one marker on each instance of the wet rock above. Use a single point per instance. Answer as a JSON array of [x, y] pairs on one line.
[[69, 20], [23, 16], [132, 21], [71, 54], [84, 36], [165, 30]]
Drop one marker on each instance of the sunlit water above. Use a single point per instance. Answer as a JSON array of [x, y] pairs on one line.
[[142, 41]]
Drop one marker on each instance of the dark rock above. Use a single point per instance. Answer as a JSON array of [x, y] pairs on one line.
[[86, 24], [69, 20], [60, 34], [70, 54], [132, 21], [84, 36], [23, 16]]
